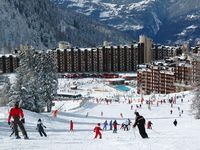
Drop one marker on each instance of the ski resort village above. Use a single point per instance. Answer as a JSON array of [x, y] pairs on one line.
[[142, 96]]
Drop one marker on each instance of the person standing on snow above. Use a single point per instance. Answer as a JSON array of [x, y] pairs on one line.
[[105, 125], [149, 125], [115, 126], [40, 128], [140, 122], [97, 130], [175, 122], [17, 114], [71, 126], [110, 124]]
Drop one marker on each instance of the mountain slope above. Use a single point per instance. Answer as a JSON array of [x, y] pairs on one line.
[[158, 19], [42, 24]]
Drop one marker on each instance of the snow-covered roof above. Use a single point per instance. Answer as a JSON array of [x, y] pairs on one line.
[[116, 79]]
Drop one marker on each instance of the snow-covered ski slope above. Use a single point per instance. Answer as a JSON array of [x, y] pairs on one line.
[[164, 136]]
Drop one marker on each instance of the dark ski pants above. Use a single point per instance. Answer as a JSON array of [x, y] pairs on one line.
[[17, 123], [115, 130], [42, 133], [142, 131]]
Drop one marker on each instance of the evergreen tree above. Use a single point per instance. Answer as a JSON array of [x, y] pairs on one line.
[[47, 79], [36, 82], [4, 90]]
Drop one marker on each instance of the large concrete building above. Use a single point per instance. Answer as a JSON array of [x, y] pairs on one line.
[[146, 46], [8, 63], [101, 59], [168, 76]]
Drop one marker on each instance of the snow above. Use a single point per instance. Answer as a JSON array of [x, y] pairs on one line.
[[140, 5], [164, 135], [192, 27]]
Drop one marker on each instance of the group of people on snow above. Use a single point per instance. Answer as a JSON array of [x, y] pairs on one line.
[[139, 122], [16, 113]]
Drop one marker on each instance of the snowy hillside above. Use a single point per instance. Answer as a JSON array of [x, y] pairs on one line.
[[165, 135], [156, 18], [42, 24]]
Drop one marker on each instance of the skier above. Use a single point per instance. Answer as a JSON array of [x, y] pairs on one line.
[[97, 130], [131, 107], [110, 124], [102, 114], [121, 115], [171, 111], [140, 122], [115, 126], [149, 125], [175, 122], [17, 114], [40, 128], [178, 108], [105, 125], [71, 126], [86, 114]]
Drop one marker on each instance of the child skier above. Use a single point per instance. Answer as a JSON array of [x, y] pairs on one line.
[[97, 130], [40, 128], [149, 125]]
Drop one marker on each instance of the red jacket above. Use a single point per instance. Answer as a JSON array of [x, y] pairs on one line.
[[15, 112], [71, 125], [97, 129]]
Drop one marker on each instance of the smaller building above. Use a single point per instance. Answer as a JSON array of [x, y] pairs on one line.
[[116, 81]]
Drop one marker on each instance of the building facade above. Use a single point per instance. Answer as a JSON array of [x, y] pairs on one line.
[[168, 76], [8, 63]]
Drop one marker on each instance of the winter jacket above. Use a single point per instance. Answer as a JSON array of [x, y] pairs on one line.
[[40, 126], [139, 121], [115, 124], [15, 112], [97, 129]]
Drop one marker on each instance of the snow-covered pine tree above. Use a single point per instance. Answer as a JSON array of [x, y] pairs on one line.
[[4, 90], [20, 90], [47, 79]]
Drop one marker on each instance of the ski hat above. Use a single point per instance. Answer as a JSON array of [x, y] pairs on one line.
[[98, 124], [17, 104], [39, 120], [137, 113]]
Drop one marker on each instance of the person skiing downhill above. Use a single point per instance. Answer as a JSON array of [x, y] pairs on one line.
[[12, 127], [71, 126], [140, 122], [40, 128], [17, 114], [175, 122], [97, 130]]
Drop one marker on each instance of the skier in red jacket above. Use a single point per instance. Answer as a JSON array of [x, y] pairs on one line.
[[97, 130], [71, 125], [17, 114]]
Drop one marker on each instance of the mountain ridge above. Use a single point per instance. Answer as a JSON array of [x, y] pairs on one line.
[[43, 25], [149, 17]]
